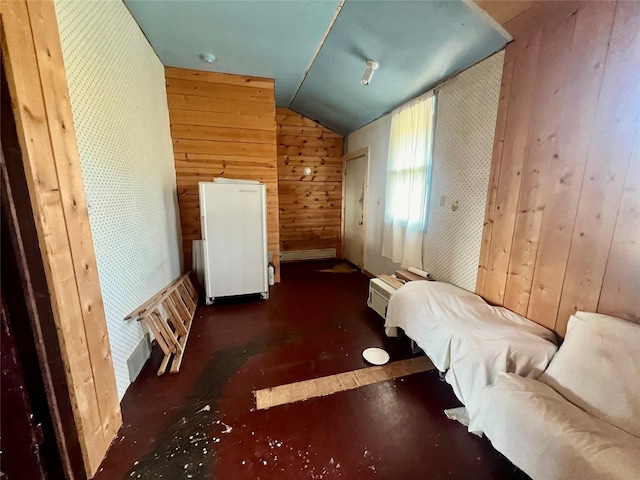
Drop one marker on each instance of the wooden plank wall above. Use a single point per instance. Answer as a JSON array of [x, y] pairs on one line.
[[563, 209], [310, 205], [32, 56], [222, 126]]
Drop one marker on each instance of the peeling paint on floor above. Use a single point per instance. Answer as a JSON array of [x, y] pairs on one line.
[[187, 448]]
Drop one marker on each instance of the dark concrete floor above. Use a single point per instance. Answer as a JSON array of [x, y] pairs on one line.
[[201, 423]]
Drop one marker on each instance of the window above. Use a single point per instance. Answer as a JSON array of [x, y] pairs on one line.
[[408, 181]]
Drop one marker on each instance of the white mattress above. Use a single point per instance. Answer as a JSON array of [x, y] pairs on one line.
[[550, 438], [474, 341]]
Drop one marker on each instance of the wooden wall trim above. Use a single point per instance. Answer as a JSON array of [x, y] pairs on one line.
[[526, 52], [356, 153], [562, 205], [221, 78], [63, 141], [28, 284], [37, 82], [494, 175], [310, 205]]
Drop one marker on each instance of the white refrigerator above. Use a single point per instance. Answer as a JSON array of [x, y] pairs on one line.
[[233, 217]]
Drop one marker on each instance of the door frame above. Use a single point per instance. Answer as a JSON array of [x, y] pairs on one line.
[[361, 152], [28, 304], [34, 65]]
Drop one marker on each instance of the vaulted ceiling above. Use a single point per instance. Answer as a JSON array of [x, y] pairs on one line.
[[316, 49]]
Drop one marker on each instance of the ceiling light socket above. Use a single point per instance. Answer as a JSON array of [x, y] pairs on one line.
[[208, 57], [372, 66]]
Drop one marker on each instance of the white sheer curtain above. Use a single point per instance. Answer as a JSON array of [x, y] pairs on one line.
[[408, 181]]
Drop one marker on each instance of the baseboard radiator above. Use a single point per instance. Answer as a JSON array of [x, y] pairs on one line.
[[318, 254]]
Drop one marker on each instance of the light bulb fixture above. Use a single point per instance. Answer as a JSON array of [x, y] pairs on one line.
[[208, 57], [372, 66]]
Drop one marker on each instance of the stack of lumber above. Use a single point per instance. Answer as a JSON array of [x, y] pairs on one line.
[[169, 315]]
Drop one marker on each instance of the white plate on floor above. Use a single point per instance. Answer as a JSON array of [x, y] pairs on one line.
[[375, 356]]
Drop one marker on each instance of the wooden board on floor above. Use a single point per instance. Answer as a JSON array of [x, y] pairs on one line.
[[320, 387]]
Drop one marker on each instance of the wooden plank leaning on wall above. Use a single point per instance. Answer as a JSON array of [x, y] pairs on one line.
[[33, 60], [310, 205], [561, 234], [222, 125]]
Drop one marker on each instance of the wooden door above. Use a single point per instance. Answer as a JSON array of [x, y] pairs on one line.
[[354, 209]]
